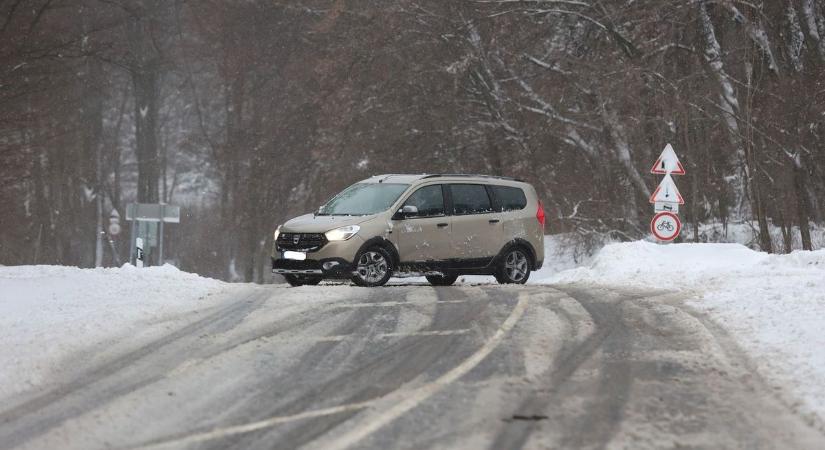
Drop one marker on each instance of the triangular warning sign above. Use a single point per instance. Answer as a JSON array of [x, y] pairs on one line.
[[668, 162], [667, 192]]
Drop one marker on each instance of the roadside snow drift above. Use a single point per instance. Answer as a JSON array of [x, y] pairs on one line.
[[48, 313], [774, 305]]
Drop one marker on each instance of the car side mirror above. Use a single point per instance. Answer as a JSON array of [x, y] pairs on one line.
[[406, 211]]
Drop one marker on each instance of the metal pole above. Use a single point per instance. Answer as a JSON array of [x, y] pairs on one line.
[[160, 239], [99, 225], [132, 241]]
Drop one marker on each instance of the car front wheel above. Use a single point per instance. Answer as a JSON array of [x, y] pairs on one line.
[[373, 267]]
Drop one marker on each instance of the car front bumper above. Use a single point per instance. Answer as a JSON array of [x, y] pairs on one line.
[[338, 256], [327, 267]]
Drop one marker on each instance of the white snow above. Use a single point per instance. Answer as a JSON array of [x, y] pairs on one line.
[[773, 305], [48, 313]]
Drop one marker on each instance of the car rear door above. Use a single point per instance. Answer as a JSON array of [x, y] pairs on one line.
[[476, 229], [510, 202], [424, 236]]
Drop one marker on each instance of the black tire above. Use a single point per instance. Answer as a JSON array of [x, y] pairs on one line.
[[442, 280], [514, 267], [373, 267], [312, 281], [298, 280]]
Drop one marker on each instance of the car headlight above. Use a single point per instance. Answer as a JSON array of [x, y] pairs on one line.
[[343, 233], [277, 232]]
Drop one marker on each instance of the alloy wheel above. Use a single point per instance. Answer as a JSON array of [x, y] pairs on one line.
[[516, 266], [372, 267]]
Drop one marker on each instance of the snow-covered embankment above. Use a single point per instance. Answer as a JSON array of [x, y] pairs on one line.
[[773, 305], [48, 313]]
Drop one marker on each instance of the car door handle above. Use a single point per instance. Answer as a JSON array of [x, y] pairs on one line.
[[442, 225], [494, 221]]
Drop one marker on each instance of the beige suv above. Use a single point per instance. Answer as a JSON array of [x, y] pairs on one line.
[[441, 226]]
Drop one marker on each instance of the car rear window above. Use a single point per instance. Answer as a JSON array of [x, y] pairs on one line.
[[509, 198], [470, 199]]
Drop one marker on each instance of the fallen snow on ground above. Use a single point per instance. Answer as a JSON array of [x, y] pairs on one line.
[[561, 252], [48, 313], [773, 305]]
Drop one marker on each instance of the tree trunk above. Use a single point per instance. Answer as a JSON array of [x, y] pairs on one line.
[[730, 107], [761, 217], [802, 203], [795, 41], [145, 83], [623, 152], [114, 163], [816, 25], [787, 239], [92, 120], [42, 207], [752, 170]]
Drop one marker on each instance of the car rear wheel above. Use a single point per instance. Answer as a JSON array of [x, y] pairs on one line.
[[514, 267], [442, 280], [299, 280], [373, 267]]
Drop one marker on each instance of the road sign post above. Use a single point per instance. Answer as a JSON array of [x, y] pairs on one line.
[[160, 234], [139, 255], [147, 227], [668, 163], [666, 226], [666, 206]]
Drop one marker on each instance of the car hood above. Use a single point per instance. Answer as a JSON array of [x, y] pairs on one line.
[[310, 223]]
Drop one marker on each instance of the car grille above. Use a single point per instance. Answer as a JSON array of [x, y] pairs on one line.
[[301, 242]]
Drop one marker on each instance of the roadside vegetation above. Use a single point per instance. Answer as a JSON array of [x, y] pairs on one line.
[[248, 113]]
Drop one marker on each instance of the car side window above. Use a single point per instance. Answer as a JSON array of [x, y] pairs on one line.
[[429, 200], [509, 198], [470, 199]]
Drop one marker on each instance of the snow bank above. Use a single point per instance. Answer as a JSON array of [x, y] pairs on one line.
[[50, 312], [562, 252], [671, 266], [774, 305]]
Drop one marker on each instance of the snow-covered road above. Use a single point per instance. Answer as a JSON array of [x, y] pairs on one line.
[[772, 305], [575, 364]]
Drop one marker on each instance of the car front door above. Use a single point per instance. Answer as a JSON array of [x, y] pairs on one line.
[[476, 229], [425, 234]]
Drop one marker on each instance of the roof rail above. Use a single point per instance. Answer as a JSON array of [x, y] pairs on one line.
[[383, 177], [437, 175]]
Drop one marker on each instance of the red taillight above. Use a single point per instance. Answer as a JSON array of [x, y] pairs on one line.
[[540, 214]]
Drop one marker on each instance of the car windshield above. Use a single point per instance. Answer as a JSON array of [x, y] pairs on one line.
[[362, 199]]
